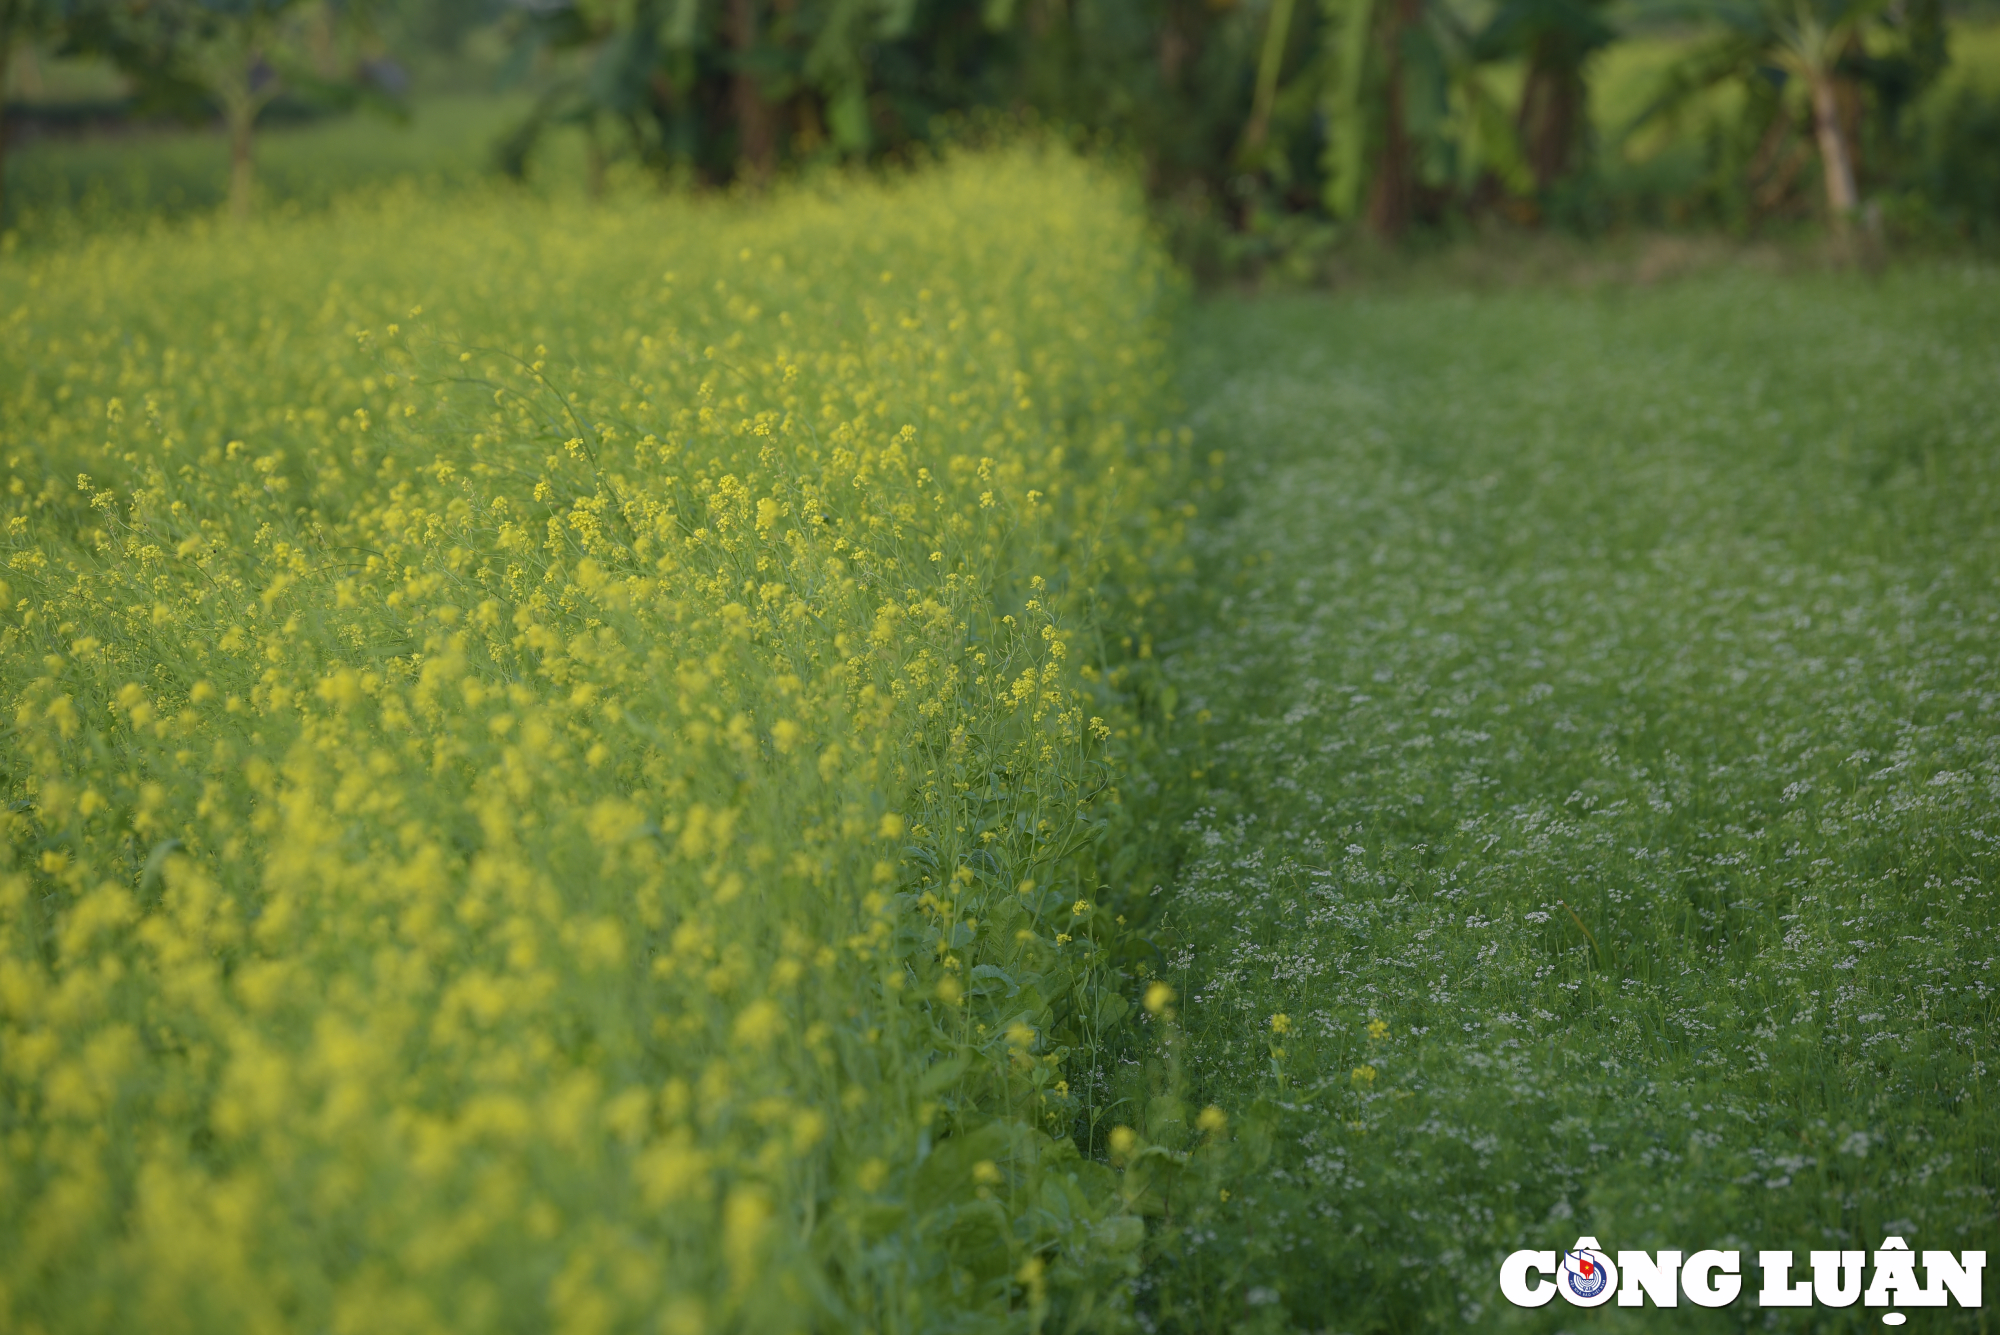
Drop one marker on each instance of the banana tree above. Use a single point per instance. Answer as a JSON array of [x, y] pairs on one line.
[[729, 88], [644, 64], [1816, 42], [1408, 113], [1810, 40], [1252, 100], [1557, 39], [1205, 92]]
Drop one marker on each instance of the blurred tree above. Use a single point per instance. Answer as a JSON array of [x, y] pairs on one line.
[[1175, 82], [442, 26], [1409, 114], [756, 138], [21, 22], [1299, 102], [729, 88], [237, 55], [1822, 45], [1556, 38], [1904, 56]]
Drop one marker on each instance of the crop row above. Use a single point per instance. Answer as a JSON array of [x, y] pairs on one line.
[[560, 761]]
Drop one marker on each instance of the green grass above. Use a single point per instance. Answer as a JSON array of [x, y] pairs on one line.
[[1601, 692]]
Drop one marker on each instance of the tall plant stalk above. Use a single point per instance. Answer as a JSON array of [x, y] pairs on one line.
[[1270, 63]]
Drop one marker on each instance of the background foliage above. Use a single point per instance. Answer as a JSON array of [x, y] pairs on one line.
[[1263, 128]]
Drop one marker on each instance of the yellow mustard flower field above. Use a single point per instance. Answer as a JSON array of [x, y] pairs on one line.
[[562, 761]]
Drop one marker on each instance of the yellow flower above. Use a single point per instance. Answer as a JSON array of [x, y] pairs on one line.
[[1281, 1023], [759, 1024], [746, 1219], [544, 693]]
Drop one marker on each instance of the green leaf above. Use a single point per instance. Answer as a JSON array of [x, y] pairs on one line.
[[1111, 1008], [1352, 23], [942, 1074]]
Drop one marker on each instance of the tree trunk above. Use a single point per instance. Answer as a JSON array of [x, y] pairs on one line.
[[241, 118], [1550, 118], [756, 140], [1835, 162], [1393, 184], [1847, 95]]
